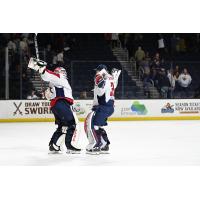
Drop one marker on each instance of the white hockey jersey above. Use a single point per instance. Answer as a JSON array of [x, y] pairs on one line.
[[105, 95], [59, 87]]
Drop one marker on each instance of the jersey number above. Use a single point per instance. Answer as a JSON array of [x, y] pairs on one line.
[[112, 89]]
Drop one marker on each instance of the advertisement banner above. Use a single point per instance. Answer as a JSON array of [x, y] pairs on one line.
[[39, 110]]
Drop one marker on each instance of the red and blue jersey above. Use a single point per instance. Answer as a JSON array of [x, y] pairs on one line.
[[59, 87], [104, 94]]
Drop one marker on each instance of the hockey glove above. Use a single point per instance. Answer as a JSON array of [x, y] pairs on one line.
[[37, 65]]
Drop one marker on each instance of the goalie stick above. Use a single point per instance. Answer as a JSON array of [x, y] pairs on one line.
[[38, 58], [36, 46]]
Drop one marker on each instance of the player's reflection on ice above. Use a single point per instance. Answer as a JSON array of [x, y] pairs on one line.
[[132, 143]]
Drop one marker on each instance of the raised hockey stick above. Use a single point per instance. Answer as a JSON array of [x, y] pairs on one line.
[[36, 46], [38, 58]]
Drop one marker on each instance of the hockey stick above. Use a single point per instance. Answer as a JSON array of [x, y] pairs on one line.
[[36, 46], [37, 56]]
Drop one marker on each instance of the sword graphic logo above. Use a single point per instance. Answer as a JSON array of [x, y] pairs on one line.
[[17, 108]]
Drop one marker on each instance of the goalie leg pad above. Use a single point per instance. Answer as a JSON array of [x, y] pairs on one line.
[[68, 139], [77, 132], [93, 133]]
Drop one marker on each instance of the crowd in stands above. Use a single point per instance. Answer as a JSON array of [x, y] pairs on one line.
[[155, 54], [171, 82], [170, 46], [151, 52], [54, 49]]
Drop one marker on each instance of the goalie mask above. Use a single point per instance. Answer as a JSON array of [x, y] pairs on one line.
[[61, 71]]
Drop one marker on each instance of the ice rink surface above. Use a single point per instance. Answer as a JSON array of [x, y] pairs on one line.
[[167, 143]]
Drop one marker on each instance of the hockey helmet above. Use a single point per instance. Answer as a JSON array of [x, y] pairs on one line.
[[100, 67], [61, 71]]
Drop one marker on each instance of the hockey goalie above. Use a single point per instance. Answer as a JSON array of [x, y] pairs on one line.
[[60, 95], [103, 107]]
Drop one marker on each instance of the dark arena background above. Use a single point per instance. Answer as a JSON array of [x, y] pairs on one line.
[[145, 60]]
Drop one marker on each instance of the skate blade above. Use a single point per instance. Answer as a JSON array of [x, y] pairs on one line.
[[54, 152], [92, 153], [104, 152], [73, 152]]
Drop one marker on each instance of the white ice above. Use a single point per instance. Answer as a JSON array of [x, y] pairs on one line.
[[132, 143]]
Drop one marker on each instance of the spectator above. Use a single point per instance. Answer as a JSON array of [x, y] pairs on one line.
[[163, 84], [12, 46], [139, 55], [172, 81], [67, 55], [177, 71], [24, 46], [55, 60], [184, 81], [145, 64], [83, 95], [32, 95], [147, 57], [147, 82], [177, 87], [115, 39], [60, 58], [176, 75], [156, 61]]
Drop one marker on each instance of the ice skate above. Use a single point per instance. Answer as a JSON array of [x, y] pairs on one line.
[[93, 151], [105, 149], [73, 150], [54, 149]]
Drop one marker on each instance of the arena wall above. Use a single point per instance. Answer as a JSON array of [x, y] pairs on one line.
[[125, 110]]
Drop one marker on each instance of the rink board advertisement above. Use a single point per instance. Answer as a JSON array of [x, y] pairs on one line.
[[39, 110]]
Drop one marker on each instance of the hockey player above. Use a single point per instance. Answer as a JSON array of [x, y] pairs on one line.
[[103, 107], [60, 94]]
